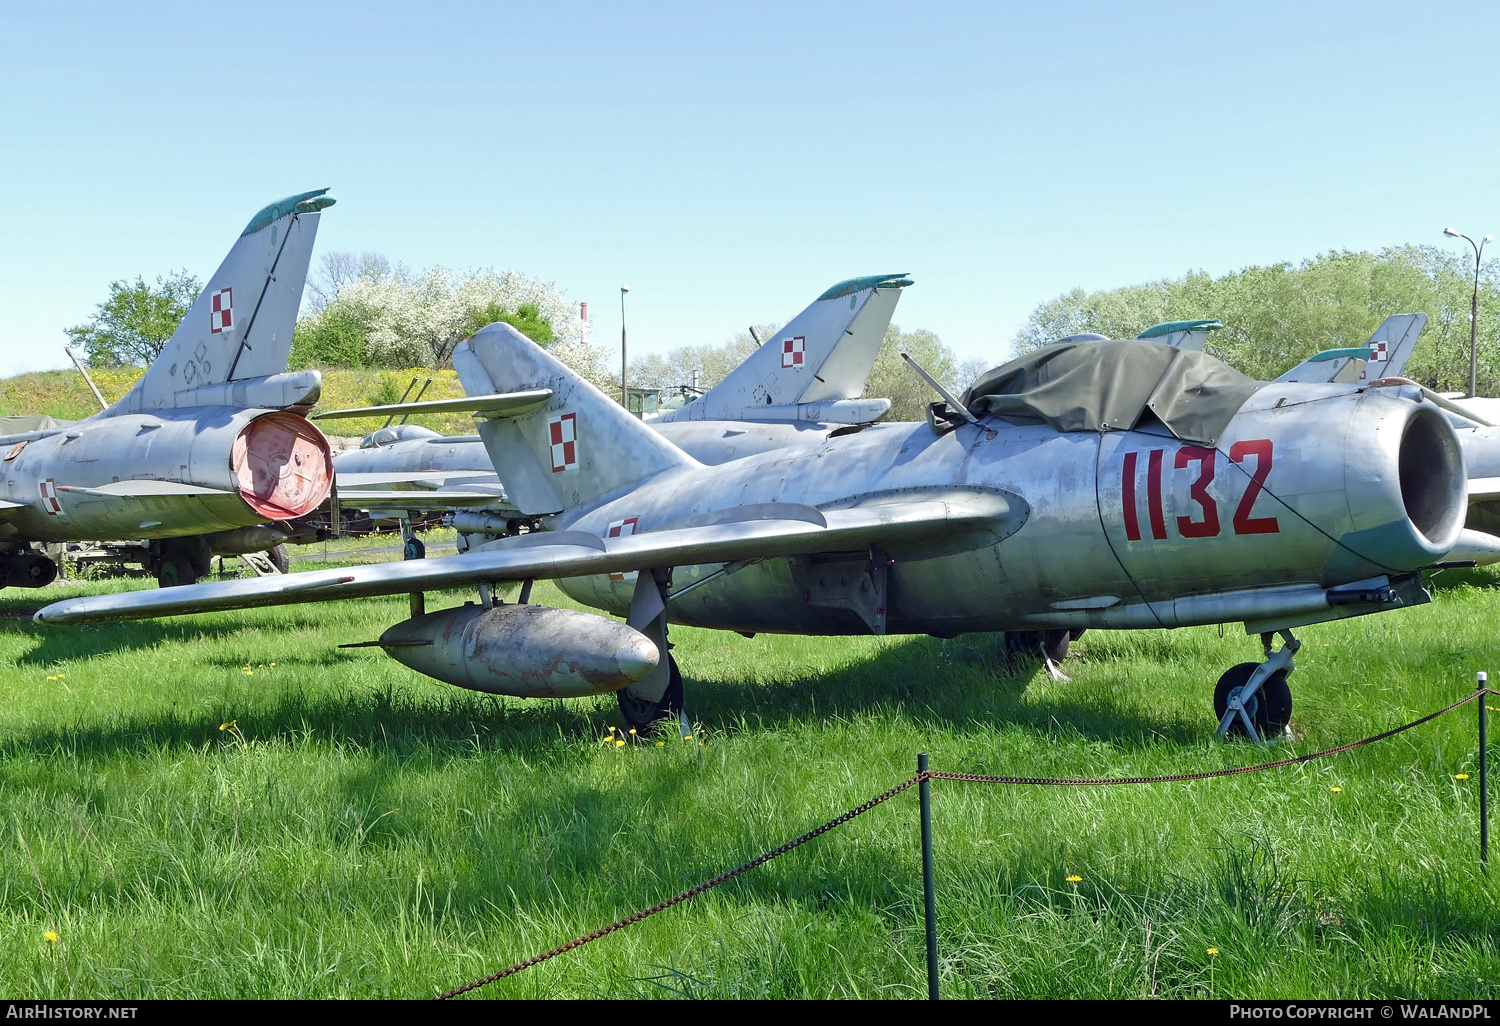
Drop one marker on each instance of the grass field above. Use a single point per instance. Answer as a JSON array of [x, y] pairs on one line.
[[360, 830]]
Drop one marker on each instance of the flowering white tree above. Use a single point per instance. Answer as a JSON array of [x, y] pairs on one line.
[[387, 316]]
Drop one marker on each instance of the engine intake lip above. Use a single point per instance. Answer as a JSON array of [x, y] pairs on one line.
[[282, 466], [1433, 483]]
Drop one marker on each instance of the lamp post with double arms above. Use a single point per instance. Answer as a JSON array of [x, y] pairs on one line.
[[1473, 307]]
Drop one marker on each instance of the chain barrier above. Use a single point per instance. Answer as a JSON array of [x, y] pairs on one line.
[[685, 895], [905, 785]]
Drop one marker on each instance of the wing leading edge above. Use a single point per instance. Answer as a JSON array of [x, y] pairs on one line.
[[968, 519]]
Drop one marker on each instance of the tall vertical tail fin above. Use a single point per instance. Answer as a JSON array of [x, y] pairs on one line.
[[1392, 345], [577, 447], [1383, 356], [816, 367], [239, 331]]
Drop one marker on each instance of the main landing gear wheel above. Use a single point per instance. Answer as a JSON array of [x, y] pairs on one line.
[[413, 548], [182, 561], [1270, 708], [648, 717], [279, 558], [1039, 644], [1051, 647]]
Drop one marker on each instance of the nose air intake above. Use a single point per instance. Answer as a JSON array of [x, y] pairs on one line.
[[1431, 471]]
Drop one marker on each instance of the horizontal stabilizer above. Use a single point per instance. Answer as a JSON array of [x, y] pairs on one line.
[[890, 521], [142, 489], [412, 479], [1484, 489], [509, 404], [838, 411], [29, 436], [423, 500]]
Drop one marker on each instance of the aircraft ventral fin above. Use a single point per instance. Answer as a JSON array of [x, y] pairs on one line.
[[509, 404], [891, 521]]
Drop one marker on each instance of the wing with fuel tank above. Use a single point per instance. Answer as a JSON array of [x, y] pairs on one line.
[[909, 522]]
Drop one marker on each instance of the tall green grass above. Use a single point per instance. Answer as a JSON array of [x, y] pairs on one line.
[[229, 805]]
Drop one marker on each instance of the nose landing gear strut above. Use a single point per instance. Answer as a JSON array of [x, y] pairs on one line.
[[1253, 699]]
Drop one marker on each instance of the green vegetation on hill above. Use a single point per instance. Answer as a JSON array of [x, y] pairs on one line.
[[63, 394]]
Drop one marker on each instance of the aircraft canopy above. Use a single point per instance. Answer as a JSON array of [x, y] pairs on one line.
[[1112, 386]]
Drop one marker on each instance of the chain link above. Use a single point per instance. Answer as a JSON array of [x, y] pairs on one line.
[[975, 778]]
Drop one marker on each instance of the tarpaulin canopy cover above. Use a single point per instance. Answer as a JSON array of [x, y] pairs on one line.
[[1109, 386]]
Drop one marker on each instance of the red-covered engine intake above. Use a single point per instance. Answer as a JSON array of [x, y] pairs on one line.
[[282, 465]]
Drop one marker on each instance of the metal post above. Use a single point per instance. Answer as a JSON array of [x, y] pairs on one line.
[[1484, 789], [929, 883], [87, 380], [1473, 307], [624, 387]]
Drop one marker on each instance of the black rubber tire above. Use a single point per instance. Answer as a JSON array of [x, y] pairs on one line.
[[414, 549], [182, 561], [279, 558], [1053, 644], [648, 717], [1271, 708]]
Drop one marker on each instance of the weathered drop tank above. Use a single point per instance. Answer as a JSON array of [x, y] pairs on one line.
[[523, 651]]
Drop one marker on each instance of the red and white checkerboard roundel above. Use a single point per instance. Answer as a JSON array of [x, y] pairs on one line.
[[1380, 355], [221, 311], [563, 434], [50, 501], [792, 350], [622, 529]]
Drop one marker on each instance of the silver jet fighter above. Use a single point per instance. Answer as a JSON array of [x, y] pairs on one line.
[[1092, 485], [212, 439], [801, 386]]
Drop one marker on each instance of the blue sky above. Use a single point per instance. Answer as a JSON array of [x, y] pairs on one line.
[[729, 163]]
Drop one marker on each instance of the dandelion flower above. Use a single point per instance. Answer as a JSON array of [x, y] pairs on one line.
[[50, 937], [632, 730], [1460, 776], [1075, 879], [619, 743], [660, 743], [1338, 790], [1213, 951]]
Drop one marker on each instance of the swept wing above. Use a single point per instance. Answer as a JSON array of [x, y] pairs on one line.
[[790, 529]]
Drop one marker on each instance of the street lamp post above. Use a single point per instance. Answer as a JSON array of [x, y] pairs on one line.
[[1473, 308], [624, 389]]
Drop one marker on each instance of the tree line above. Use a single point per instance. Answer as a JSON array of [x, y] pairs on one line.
[[364, 311], [1278, 315]]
